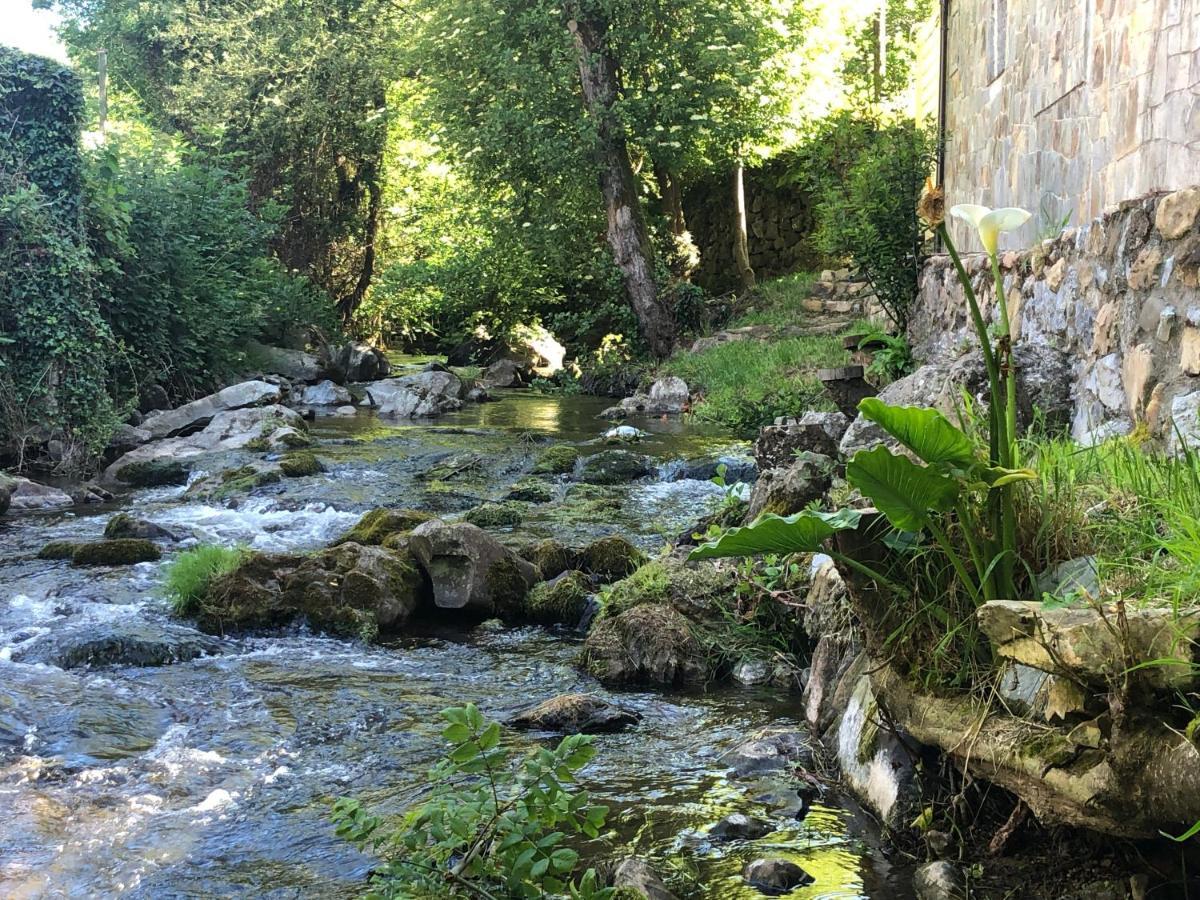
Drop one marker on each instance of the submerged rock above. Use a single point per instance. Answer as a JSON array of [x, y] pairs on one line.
[[377, 525], [611, 558], [940, 880], [121, 644], [564, 599], [770, 752], [648, 644], [614, 467], [775, 876], [119, 552], [575, 714], [557, 460], [471, 570], [496, 515], [740, 827]]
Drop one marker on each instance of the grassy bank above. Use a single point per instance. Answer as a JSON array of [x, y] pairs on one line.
[[746, 384]]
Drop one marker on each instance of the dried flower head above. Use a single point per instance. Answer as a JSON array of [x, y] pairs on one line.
[[932, 205]]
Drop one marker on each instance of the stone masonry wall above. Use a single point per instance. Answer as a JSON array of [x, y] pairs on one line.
[[1121, 295], [1078, 103]]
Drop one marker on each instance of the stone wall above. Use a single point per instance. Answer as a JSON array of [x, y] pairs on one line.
[[779, 222], [1078, 103], [1119, 295]]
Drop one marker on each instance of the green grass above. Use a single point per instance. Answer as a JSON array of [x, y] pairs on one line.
[[777, 302], [189, 574]]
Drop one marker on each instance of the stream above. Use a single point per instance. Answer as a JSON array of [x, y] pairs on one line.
[[214, 777]]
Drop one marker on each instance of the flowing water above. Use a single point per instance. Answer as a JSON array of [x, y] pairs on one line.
[[213, 777]]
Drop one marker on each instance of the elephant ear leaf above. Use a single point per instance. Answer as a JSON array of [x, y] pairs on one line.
[[903, 491], [926, 432], [804, 532]]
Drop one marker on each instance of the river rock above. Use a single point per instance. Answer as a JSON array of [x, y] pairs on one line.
[[564, 599], [787, 491], [939, 880], [150, 472], [8, 484], [633, 874], [123, 525], [354, 361], [740, 827], [770, 751], [610, 558], [668, 396], [614, 467], [623, 434], [575, 714], [125, 437], [325, 393], [295, 365], [29, 495], [96, 645], [504, 373], [195, 415], [471, 570], [378, 525], [421, 395], [551, 557], [648, 644], [778, 445], [115, 552], [736, 470], [531, 490], [775, 876], [557, 460]]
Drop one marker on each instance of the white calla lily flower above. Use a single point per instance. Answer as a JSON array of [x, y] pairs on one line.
[[990, 222]]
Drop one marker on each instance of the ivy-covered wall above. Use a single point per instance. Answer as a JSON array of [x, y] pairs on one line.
[[55, 347]]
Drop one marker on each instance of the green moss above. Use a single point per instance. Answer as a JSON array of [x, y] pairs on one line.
[[153, 473], [1050, 748], [563, 600], [122, 525], [457, 466], [550, 556], [259, 444], [611, 557], [299, 464], [557, 460], [375, 527], [120, 552], [531, 490], [58, 550], [614, 467], [507, 587], [495, 515], [295, 440], [651, 583]]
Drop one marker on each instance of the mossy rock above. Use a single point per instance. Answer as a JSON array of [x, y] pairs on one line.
[[58, 550], [506, 514], [648, 644], [531, 490], [611, 558], [291, 439], [259, 444], [123, 525], [550, 556], [614, 467], [300, 464], [692, 588], [376, 526], [153, 473], [563, 600], [508, 587], [119, 552], [557, 460], [456, 466]]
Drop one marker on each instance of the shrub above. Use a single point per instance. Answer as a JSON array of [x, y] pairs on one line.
[[494, 823], [190, 573]]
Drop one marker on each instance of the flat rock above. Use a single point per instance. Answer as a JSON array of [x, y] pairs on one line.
[[195, 415], [575, 714], [740, 827], [325, 393], [422, 395], [121, 644], [29, 495]]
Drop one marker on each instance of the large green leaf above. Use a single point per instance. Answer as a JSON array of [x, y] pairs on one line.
[[903, 491], [804, 532], [926, 432]]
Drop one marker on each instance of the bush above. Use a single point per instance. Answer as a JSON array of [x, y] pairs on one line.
[[190, 573]]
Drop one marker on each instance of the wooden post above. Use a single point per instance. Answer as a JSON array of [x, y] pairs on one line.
[[102, 73]]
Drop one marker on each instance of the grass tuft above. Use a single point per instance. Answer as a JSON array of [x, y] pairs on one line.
[[190, 573]]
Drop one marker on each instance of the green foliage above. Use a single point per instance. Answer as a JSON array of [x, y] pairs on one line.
[[866, 176], [871, 80], [55, 348], [493, 824], [189, 574], [892, 360]]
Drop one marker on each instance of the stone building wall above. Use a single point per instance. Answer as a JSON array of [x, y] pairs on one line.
[[779, 222], [1120, 295], [1081, 104]]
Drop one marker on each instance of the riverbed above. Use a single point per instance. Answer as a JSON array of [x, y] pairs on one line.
[[214, 777]]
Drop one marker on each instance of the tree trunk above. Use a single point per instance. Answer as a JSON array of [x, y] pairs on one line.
[[627, 234], [672, 199], [741, 240]]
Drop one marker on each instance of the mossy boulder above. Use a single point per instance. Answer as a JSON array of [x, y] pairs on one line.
[[695, 589], [550, 556], [376, 526], [123, 525], [496, 515], [471, 570], [648, 644], [563, 600], [348, 590], [120, 552], [614, 467], [58, 550], [575, 714], [153, 473], [231, 482], [557, 460], [611, 558], [300, 464], [531, 490]]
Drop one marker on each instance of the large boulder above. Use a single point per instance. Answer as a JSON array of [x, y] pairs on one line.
[[294, 365], [470, 569], [787, 491], [610, 558], [325, 393], [1044, 380], [504, 373], [668, 396], [103, 644], [348, 590], [775, 876], [614, 467], [647, 644], [564, 599], [778, 445], [24, 494], [378, 525], [417, 396], [354, 361], [195, 415], [556, 460], [575, 714]]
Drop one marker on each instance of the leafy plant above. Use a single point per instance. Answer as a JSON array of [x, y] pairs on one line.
[[189, 574], [494, 824], [736, 492], [891, 361]]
